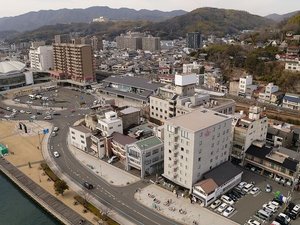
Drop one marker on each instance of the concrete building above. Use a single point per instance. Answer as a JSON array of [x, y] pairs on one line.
[[270, 89], [246, 130], [151, 43], [146, 155], [191, 68], [195, 143], [80, 137], [110, 124], [194, 40], [118, 144], [293, 65], [216, 182], [73, 61], [179, 99], [244, 83], [130, 117], [131, 40], [280, 134], [98, 145], [41, 58]]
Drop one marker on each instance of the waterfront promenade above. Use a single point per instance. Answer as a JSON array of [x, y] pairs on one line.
[[46, 200]]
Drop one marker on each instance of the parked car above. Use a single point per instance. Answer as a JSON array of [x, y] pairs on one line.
[[268, 188], [281, 220], [28, 112], [228, 211], [227, 200], [222, 207], [17, 100], [216, 204], [242, 184], [240, 191], [287, 219], [22, 111], [253, 222], [33, 117], [248, 187], [254, 190], [55, 129], [277, 179], [56, 154], [112, 159], [88, 185], [39, 113], [48, 118], [53, 134]]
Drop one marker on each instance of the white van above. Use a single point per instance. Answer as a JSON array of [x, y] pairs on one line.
[[248, 187], [263, 214]]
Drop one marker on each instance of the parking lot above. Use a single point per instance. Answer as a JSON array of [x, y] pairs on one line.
[[246, 206]]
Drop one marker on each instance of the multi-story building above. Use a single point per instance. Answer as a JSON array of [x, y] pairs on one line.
[[178, 99], [131, 40], [191, 68], [194, 40], [118, 144], [151, 43], [41, 58], [244, 83], [146, 155], [80, 137], [73, 61], [110, 124], [195, 143], [247, 129], [293, 65], [267, 94]]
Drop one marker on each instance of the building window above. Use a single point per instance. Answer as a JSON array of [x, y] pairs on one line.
[[82, 142], [101, 146], [182, 149], [81, 136], [119, 125], [199, 159], [155, 151], [72, 132], [148, 154], [73, 137]]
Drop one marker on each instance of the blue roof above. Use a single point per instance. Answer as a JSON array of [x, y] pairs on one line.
[[292, 98]]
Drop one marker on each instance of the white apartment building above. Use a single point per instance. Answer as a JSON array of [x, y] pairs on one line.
[[293, 65], [269, 90], [109, 124], [195, 143], [243, 83], [80, 137], [179, 99], [246, 130], [41, 58], [146, 155], [191, 68]]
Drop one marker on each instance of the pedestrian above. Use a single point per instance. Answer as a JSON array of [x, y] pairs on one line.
[[176, 194]]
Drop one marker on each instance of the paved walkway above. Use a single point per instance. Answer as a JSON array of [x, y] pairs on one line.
[[111, 174], [194, 212], [52, 204], [15, 104]]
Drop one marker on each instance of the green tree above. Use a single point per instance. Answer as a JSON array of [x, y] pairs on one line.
[[60, 187]]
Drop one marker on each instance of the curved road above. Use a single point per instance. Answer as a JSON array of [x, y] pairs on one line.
[[120, 199]]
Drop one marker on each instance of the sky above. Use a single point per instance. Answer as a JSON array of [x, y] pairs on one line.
[[259, 7]]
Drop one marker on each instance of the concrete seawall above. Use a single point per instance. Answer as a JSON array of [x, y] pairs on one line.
[[58, 209]]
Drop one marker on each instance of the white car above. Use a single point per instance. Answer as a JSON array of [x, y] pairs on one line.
[[269, 208], [254, 190], [17, 100], [253, 222], [14, 110], [222, 207], [276, 204], [228, 211], [22, 111], [56, 154], [216, 204], [7, 116], [277, 179], [242, 184], [29, 102], [33, 117], [227, 200], [28, 112], [55, 129], [48, 118], [8, 108], [287, 218]]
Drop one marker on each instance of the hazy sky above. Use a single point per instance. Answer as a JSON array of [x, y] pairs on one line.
[[260, 7]]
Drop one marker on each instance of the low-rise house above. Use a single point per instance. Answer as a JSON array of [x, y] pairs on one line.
[[146, 155], [217, 182], [267, 94], [118, 144], [280, 134], [291, 101], [273, 162], [110, 124]]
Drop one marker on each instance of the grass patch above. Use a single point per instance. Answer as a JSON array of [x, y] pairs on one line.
[[49, 172], [94, 210]]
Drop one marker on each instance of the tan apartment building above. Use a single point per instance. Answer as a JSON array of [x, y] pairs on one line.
[[73, 61], [194, 144]]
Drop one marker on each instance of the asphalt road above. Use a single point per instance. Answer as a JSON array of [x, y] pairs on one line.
[[119, 199]]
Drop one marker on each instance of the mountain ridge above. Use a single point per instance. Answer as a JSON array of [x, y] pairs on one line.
[[35, 19]]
